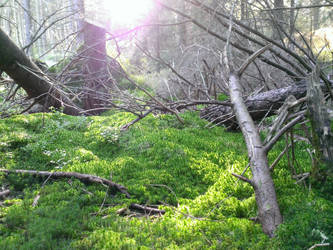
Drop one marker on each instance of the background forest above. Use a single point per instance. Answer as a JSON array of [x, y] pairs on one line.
[[166, 124]]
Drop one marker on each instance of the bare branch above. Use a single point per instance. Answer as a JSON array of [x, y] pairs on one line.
[[301, 7], [277, 136], [81, 177], [242, 178], [251, 58]]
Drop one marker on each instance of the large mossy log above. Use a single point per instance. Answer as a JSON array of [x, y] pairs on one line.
[[259, 105]]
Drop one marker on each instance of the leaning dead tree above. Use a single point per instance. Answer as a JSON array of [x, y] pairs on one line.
[[268, 209], [296, 65], [29, 77], [289, 102]]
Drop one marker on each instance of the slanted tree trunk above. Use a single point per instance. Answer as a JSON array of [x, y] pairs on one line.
[[27, 75], [268, 209], [269, 213]]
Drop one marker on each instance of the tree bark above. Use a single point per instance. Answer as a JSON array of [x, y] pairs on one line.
[[95, 68], [244, 10], [292, 18], [315, 15], [78, 23], [28, 76], [183, 27], [322, 136], [259, 106], [157, 42], [278, 19], [268, 209], [27, 20]]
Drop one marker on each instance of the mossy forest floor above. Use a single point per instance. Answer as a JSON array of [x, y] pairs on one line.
[[185, 169]]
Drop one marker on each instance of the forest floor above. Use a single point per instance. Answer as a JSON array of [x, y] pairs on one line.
[[184, 170]]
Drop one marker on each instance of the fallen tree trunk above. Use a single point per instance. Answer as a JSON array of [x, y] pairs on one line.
[[4, 193], [81, 177], [259, 106], [28, 76]]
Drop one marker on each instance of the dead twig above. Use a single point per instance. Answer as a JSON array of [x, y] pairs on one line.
[[241, 177], [277, 136], [37, 197], [146, 209], [140, 117], [319, 245], [300, 177], [276, 161], [137, 210]]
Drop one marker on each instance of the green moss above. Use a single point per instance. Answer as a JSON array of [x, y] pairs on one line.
[[186, 169]]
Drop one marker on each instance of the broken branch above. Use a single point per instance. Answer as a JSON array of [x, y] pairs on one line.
[[81, 177], [146, 209], [242, 178]]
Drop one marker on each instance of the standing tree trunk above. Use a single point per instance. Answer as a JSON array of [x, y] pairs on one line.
[[27, 75], [27, 21], [156, 35], [322, 136], [292, 18], [78, 23], [183, 27], [157, 42], [244, 10], [315, 15], [278, 19], [95, 69]]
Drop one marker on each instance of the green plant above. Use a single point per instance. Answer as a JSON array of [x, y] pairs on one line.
[[185, 169]]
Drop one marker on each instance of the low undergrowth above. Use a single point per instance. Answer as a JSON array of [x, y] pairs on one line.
[[184, 169]]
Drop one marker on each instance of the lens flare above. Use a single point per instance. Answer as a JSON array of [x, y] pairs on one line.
[[127, 13]]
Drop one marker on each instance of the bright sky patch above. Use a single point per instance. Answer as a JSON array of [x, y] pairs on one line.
[[127, 13]]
